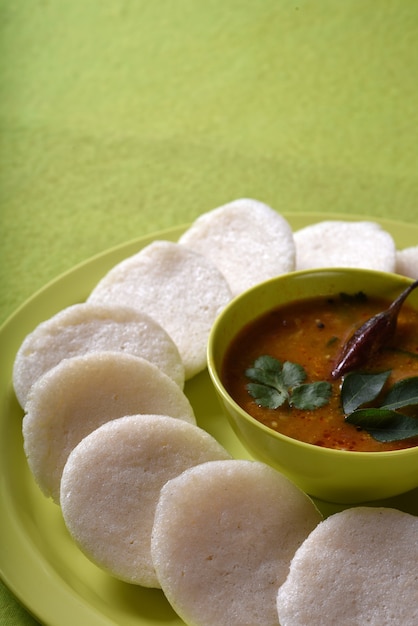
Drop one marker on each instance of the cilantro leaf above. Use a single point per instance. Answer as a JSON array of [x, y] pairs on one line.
[[268, 388], [384, 425], [267, 396], [293, 374], [359, 388], [266, 370], [403, 393], [311, 396], [273, 383]]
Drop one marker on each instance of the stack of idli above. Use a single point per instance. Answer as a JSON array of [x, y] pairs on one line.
[[407, 262], [111, 484], [356, 567], [182, 290], [184, 285], [161, 302], [338, 243], [83, 392], [246, 239], [223, 537], [250, 242], [83, 328]]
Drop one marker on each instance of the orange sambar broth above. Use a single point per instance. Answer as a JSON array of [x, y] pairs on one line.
[[311, 332]]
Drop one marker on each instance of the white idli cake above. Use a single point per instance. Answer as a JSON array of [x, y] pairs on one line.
[[88, 327], [111, 484], [357, 567], [80, 394], [335, 243], [247, 240], [407, 262], [182, 290], [223, 537]]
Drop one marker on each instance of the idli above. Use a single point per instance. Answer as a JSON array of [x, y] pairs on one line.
[[182, 290], [111, 484], [80, 394], [88, 327], [407, 262], [223, 537], [338, 243], [357, 567], [246, 239]]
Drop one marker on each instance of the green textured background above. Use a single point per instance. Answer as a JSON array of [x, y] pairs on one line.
[[122, 117]]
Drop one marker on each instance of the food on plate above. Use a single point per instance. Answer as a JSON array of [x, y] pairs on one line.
[[223, 537], [110, 435], [111, 484], [338, 243], [407, 262], [246, 239], [88, 327], [182, 290], [279, 367], [359, 566], [80, 394]]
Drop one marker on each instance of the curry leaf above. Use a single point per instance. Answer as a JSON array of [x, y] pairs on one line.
[[403, 393], [384, 425], [360, 388], [311, 396]]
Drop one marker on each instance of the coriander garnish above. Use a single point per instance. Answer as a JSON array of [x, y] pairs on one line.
[[274, 383]]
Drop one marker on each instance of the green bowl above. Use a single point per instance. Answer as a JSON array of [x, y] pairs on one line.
[[332, 475]]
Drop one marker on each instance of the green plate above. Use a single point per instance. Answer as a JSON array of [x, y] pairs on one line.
[[38, 560]]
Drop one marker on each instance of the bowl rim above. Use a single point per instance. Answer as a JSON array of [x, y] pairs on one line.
[[218, 384]]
